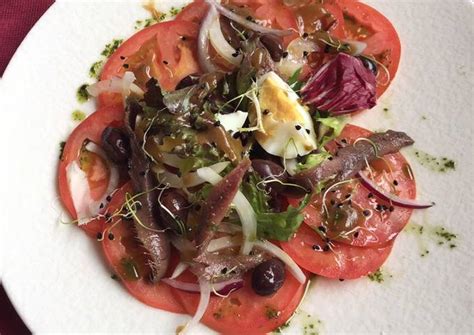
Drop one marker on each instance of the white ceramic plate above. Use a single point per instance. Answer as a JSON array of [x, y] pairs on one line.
[[55, 275]]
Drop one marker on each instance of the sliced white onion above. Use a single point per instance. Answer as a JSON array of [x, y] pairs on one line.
[[291, 165], [247, 215], [246, 23], [277, 252], [296, 58], [172, 160], [87, 208], [221, 288], [189, 180], [392, 198], [220, 44], [203, 41], [205, 289], [357, 47], [123, 85], [180, 268], [229, 228], [224, 243]]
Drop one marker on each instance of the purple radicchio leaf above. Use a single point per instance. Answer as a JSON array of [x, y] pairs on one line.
[[343, 85]]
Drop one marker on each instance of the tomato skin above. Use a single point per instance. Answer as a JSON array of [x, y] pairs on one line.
[[194, 12], [383, 44], [179, 55], [245, 312], [91, 128], [155, 295], [341, 262]]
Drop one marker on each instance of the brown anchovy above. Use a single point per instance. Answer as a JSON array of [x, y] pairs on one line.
[[218, 202], [215, 267], [154, 240], [352, 159]]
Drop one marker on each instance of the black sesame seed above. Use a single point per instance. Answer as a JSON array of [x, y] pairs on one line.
[[370, 195], [111, 236], [348, 195], [395, 182], [183, 38], [266, 112], [330, 158], [298, 127], [165, 62], [122, 57], [236, 135], [344, 141], [109, 198], [356, 234], [285, 54], [235, 54], [308, 131], [107, 216], [341, 279], [366, 212], [326, 247], [217, 123], [101, 205], [99, 236], [305, 35], [126, 66], [322, 229], [305, 53], [378, 207], [333, 202], [316, 247], [391, 208]]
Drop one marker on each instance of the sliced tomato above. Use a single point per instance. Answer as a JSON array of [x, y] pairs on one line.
[[245, 312], [364, 23], [194, 12], [354, 215], [165, 51], [127, 259], [333, 259], [90, 129]]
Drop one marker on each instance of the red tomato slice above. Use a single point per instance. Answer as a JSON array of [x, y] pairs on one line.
[[194, 12], [126, 257], [367, 220], [245, 312], [366, 24], [165, 51], [340, 261], [90, 129]]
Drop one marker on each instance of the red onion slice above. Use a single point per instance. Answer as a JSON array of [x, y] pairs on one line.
[[246, 23], [387, 196], [222, 288]]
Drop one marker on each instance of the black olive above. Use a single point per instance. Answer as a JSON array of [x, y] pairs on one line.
[[268, 277], [230, 32], [176, 203], [187, 81], [153, 96], [269, 170], [274, 46], [116, 144], [369, 64]]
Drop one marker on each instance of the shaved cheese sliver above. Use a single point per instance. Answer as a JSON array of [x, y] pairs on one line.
[[87, 208], [277, 252], [224, 242], [247, 215], [232, 122], [123, 85], [189, 180], [205, 288]]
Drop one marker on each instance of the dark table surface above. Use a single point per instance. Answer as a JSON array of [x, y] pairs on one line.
[[16, 19]]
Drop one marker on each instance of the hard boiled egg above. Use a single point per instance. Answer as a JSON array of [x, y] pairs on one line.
[[288, 129]]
